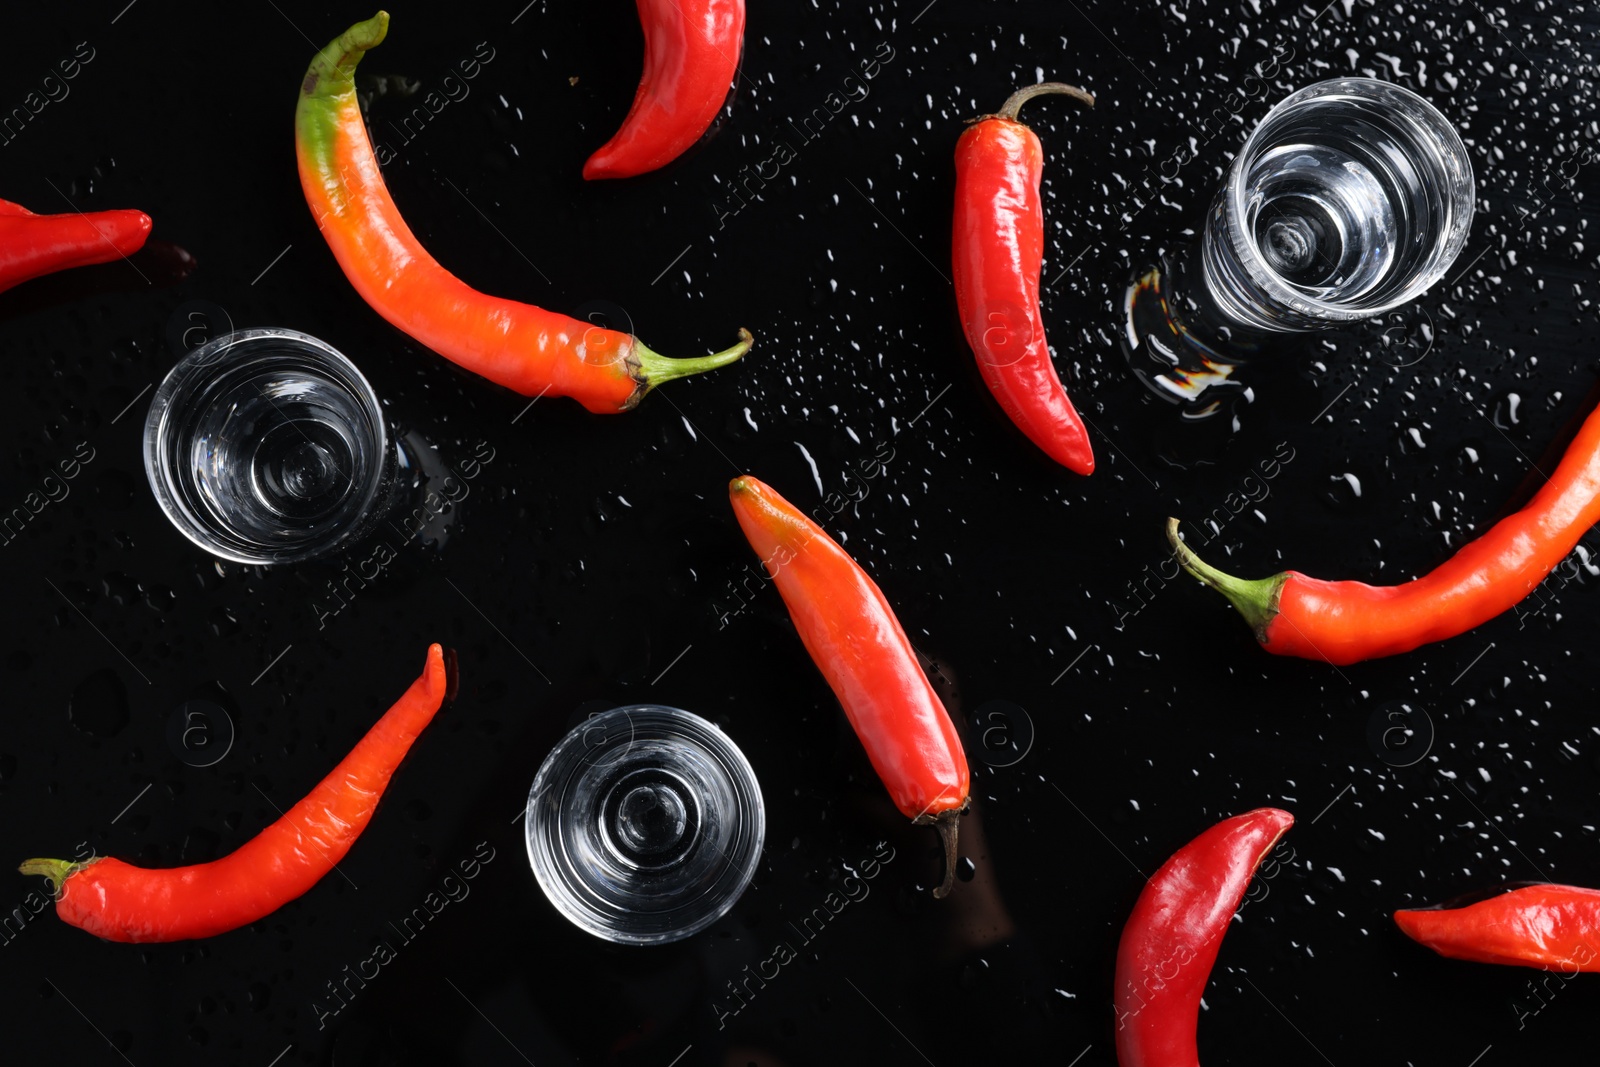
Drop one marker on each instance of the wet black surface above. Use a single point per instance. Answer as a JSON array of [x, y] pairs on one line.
[[595, 559]]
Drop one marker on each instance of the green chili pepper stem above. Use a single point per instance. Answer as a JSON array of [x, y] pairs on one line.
[[337, 62], [55, 870], [652, 368], [1255, 599]]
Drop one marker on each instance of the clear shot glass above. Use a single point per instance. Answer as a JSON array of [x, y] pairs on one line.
[[1351, 198], [268, 446], [644, 825]]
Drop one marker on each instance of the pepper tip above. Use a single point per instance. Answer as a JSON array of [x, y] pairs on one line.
[[437, 670], [368, 33], [1282, 822], [1409, 923], [332, 69]]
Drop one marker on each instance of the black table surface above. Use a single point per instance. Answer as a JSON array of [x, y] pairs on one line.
[[594, 561]]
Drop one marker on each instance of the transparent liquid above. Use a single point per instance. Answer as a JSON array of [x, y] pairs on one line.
[[1351, 197], [1323, 220], [644, 825], [279, 452], [268, 448]]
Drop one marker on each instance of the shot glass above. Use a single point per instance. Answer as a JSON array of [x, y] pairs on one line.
[[1351, 198], [268, 446], [644, 825]]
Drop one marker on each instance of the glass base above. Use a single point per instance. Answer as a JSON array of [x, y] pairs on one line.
[[644, 825], [268, 446]]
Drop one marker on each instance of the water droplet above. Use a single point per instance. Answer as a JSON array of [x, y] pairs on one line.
[[99, 704], [122, 589], [224, 623]]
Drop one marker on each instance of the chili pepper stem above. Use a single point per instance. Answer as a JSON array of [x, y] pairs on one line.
[[651, 368], [55, 870], [1255, 599], [1014, 102], [948, 825]]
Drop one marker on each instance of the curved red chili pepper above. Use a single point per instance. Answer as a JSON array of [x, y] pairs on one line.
[[522, 347], [1534, 926], [691, 54], [1345, 622], [121, 902], [854, 638], [998, 250], [33, 245], [1172, 938]]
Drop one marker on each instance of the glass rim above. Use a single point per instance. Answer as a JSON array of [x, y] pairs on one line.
[[1462, 199], [183, 373], [570, 905]]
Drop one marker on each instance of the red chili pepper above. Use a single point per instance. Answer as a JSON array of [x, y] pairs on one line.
[[1345, 622], [522, 347], [121, 902], [998, 250], [691, 54], [1171, 940], [1533, 926], [856, 641], [32, 245]]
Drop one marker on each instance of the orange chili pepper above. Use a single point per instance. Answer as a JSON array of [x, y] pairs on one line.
[[855, 640], [519, 346], [121, 902], [1545, 926], [1345, 622]]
